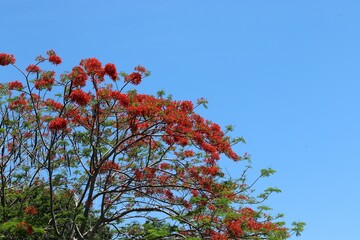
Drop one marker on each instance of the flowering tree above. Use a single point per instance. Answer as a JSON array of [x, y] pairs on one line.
[[82, 159]]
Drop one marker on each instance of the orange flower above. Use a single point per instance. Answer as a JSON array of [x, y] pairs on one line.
[[30, 210], [57, 124]]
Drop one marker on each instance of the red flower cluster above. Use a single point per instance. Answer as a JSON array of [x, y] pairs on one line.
[[78, 76], [6, 59], [140, 69], [57, 124], [93, 67], [122, 98], [33, 69], [212, 171], [24, 226], [187, 106], [110, 70], [15, 85], [30, 210], [247, 220], [108, 166], [53, 58], [19, 103], [80, 97], [134, 78], [53, 104], [46, 80]]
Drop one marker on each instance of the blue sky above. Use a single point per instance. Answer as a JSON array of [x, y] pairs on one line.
[[285, 73]]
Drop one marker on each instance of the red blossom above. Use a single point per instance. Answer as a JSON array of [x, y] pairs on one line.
[[53, 104], [134, 78], [189, 153], [103, 93], [80, 97], [20, 103], [213, 171], [33, 69], [110, 70], [140, 69], [15, 85], [187, 106], [6, 59], [93, 67], [46, 80], [30, 210], [26, 227], [108, 166], [78, 76], [57, 124], [122, 98], [138, 174], [54, 59]]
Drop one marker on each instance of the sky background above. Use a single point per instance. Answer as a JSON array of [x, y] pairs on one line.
[[285, 73]]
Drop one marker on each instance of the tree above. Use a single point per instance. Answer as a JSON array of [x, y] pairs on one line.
[[82, 159]]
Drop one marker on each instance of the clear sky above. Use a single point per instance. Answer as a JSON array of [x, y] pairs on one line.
[[284, 72]]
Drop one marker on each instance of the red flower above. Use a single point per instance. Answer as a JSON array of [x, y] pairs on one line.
[[122, 98], [108, 166], [134, 78], [78, 76], [25, 226], [19, 104], [140, 69], [54, 59], [80, 97], [92, 66], [30, 210], [46, 80], [213, 171], [33, 69], [53, 104], [189, 153], [15, 85], [6, 59], [57, 124], [110, 70], [187, 106]]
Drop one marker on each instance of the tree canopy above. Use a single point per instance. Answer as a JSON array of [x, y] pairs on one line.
[[84, 157]]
